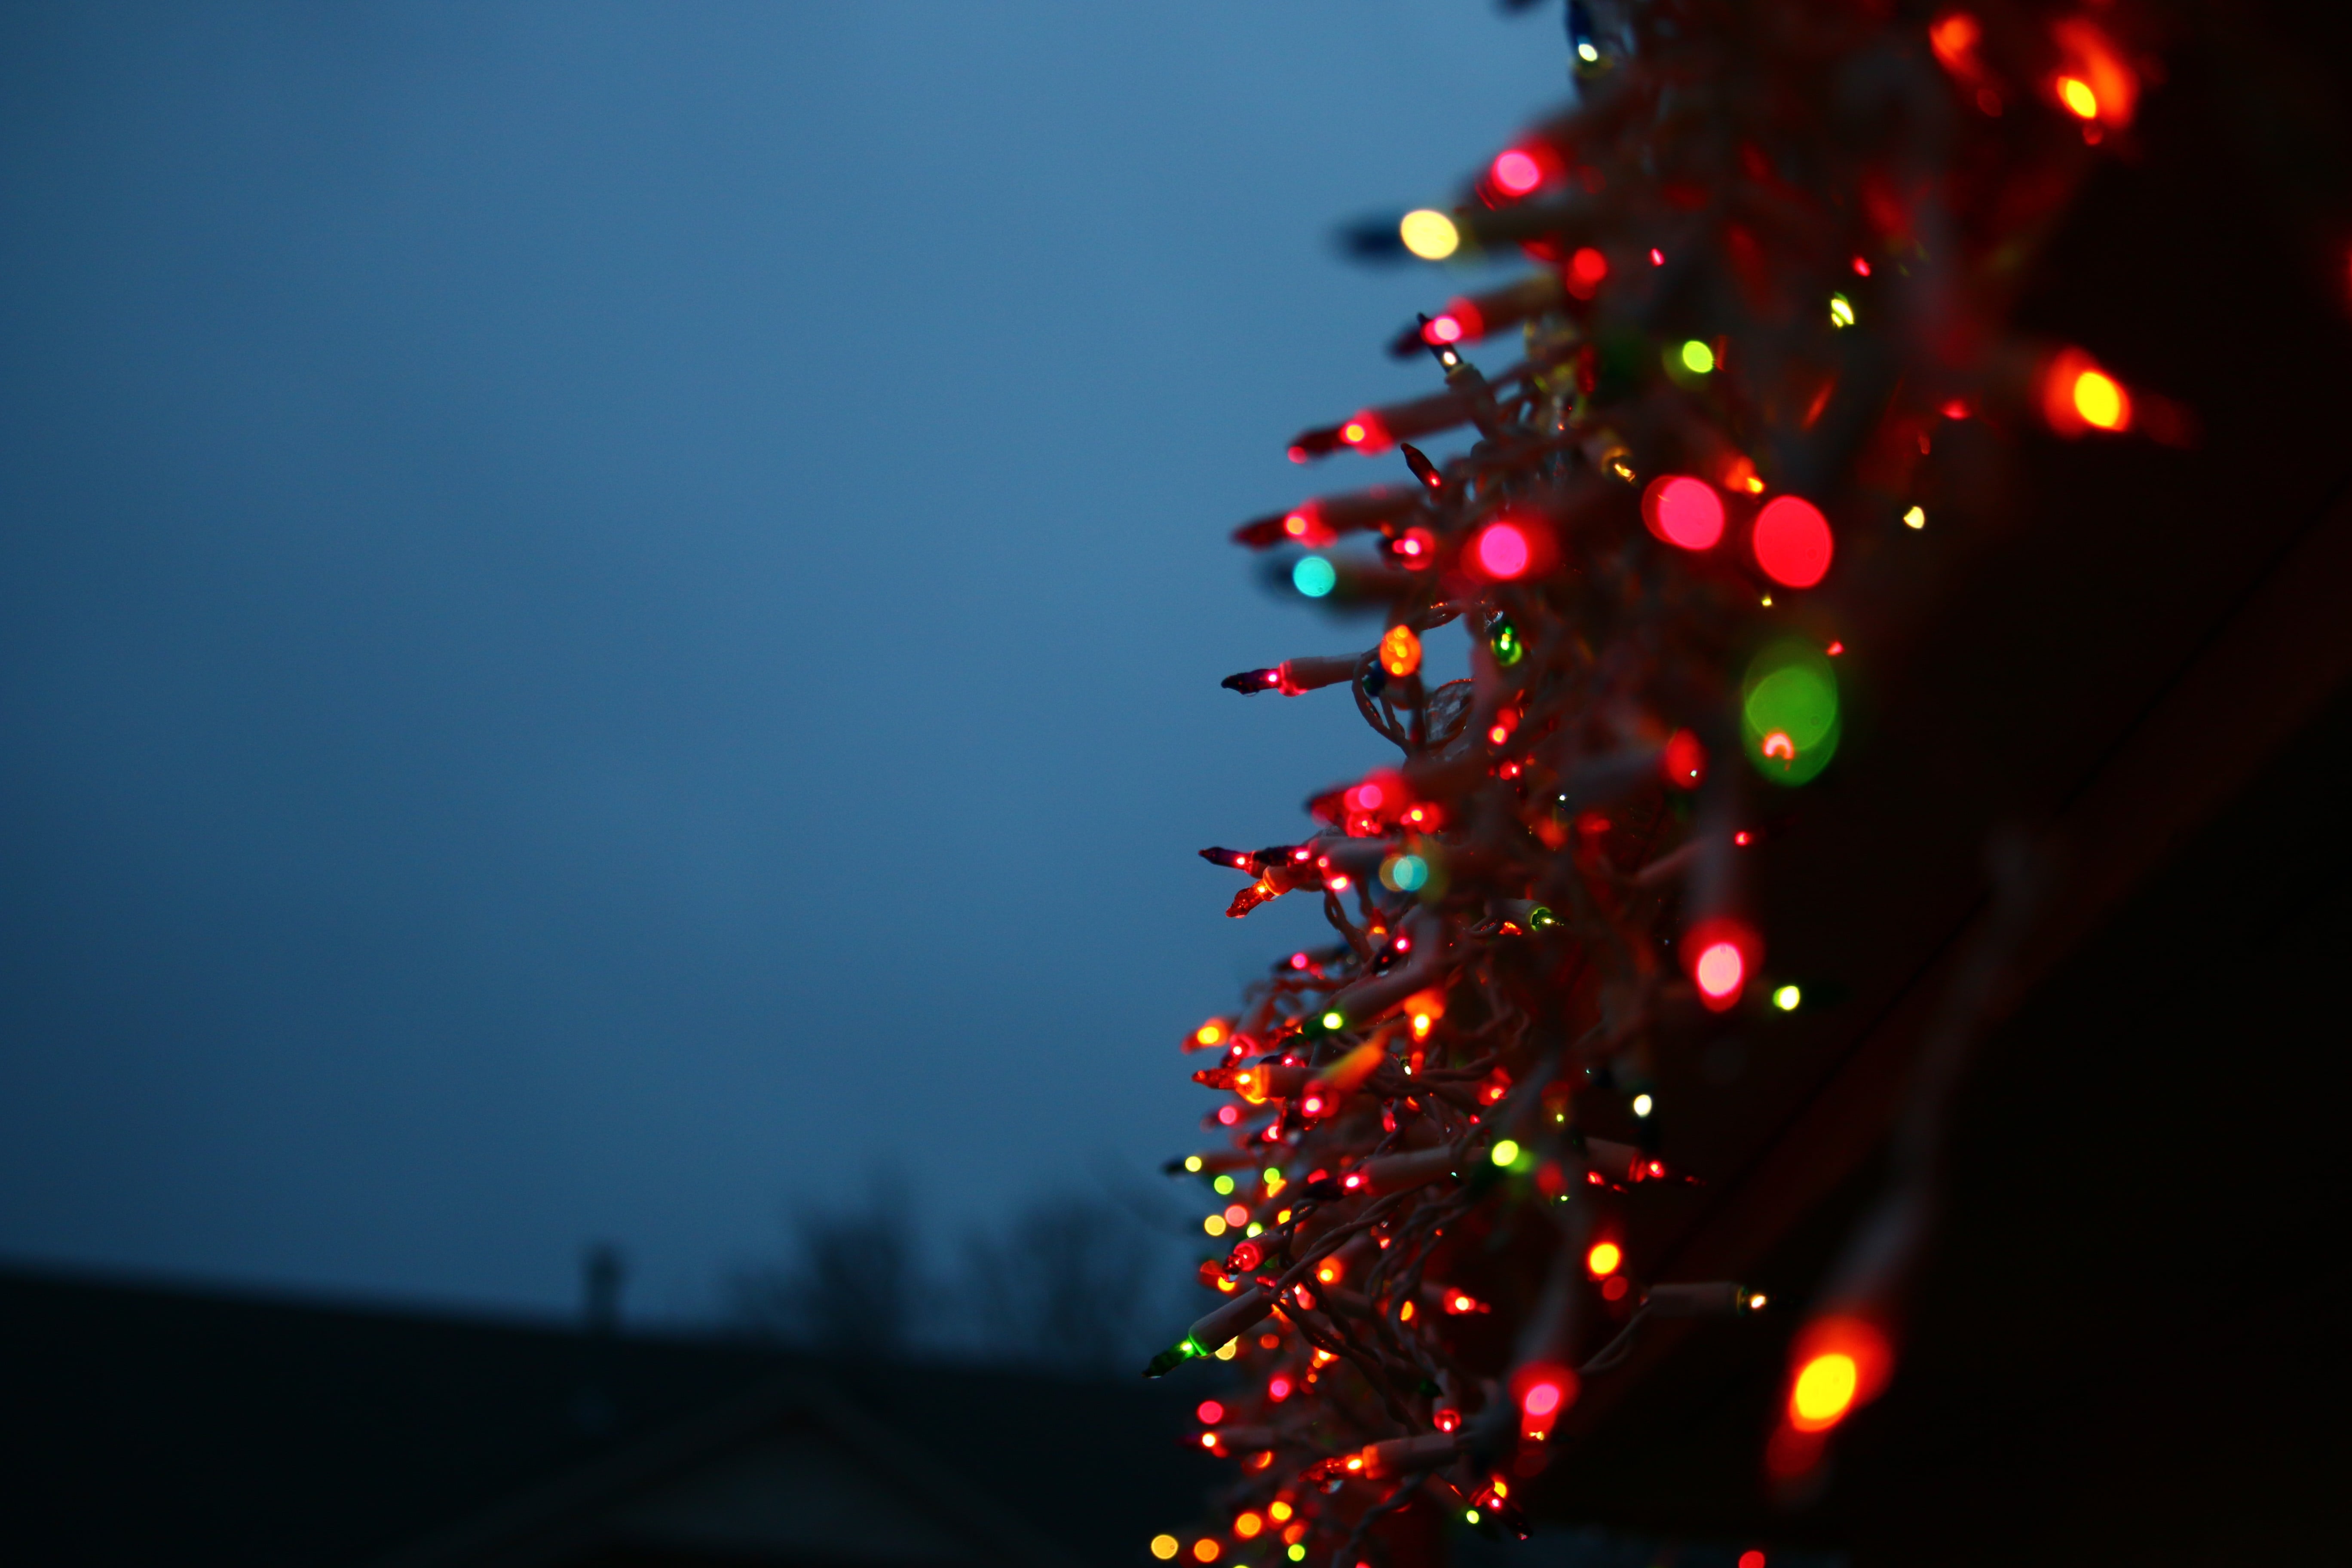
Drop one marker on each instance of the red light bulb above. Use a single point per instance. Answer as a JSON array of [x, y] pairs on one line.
[[1502, 551], [1516, 173], [1792, 542], [1684, 511]]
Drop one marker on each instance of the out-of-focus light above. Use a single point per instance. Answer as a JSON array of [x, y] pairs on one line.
[[1657, 256], [1697, 358], [1504, 1151], [1224, 1185], [1400, 651], [1235, 1216], [1586, 269], [1429, 234], [2101, 400], [1212, 1033], [1314, 576], [1516, 173], [1953, 37], [1684, 759], [1502, 550], [1247, 1525], [1193, 1163], [1860, 268], [1720, 971], [1603, 1259], [1404, 873], [1789, 709], [1228, 1349], [1335, 1020], [1165, 1546], [1643, 1103], [1210, 1412], [1751, 1558], [1792, 542], [1788, 998], [2078, 98], [1916, 517], [1296, 1551], [1278, 1389], [1841, 310], [1587, 53], [1541, 1399], [1823, 1392], [1215, 1225], [1684, 511], [1205, 1550]]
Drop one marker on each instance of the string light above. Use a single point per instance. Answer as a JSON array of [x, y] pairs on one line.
[[1394, 1098]]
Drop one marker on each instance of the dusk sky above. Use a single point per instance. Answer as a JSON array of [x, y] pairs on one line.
[[612, 614]]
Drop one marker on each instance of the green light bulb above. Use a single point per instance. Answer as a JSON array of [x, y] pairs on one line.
[[1506, 1150], [1224, 1184], [1787, 998], [1505, 639], [1697, 357]]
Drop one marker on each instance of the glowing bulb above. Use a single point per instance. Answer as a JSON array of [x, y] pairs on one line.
[[1916, 518], [1682, 511], [1505, 1151], [1228, 1349], [1586, 269], [1502, 550], [1429, 234], [1294, 1552], [2100, 401], [1314, 576], [1400, 651], [1516, 174], [1224, 1185], [1697, 358], [1588, 54], [1787, 998], [1193, 1163], [1335, 1020], [1210, 1412], [1247, 1525], [1720, 971], [1643, 1103], [1236, 1217], [2078, 98], [1792, 542], [1751, 1558], [1541, 1399], [1603, 1259], [1756, 1303], [1471, 1515], [1841, 310], [1164, 1547], [1215, 1225], [1823, 1392], [1404, 873]]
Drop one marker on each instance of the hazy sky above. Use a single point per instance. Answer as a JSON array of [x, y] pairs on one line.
[[612, 614]]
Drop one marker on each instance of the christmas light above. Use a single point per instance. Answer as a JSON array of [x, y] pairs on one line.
[[1682, 511], [1165, 1547], [1393, 1086], [1516, 173], [1400, 651], [1792, 542], [1429, 234], [1502, 550]]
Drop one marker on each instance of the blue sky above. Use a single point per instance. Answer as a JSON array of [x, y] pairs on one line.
[[610, 617]]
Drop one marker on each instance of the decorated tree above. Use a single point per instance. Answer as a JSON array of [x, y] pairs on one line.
[[1775, 250]]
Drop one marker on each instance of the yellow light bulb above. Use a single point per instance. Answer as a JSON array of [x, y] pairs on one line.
[[1429, 234]]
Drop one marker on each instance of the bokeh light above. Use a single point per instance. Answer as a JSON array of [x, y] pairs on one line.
[[1603, 1259], [1789, 712], [1516, 173], [1314, 576], [1502, 550], [1429, 234], [1792, 542], [1684, 511]]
